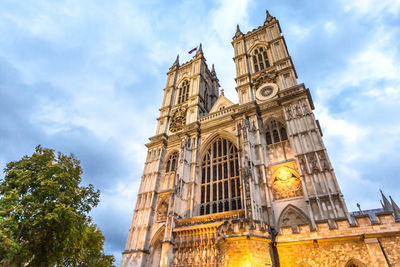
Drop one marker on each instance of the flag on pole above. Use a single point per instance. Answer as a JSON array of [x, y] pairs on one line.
[[194, 49]]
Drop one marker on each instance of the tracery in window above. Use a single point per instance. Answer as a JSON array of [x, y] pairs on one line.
[[183, 92], [260, 59], [168, 181], [220, 183], [276, 132]]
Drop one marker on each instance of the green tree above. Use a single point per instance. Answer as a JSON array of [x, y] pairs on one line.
[[44, 217]]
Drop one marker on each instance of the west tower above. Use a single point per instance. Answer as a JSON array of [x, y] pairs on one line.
[[223, 183]]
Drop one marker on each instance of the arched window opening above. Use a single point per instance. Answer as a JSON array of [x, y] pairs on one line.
[[269, 139], [354, 263], [170, 168], [171, 163], [183, 92], [283, 134], [275, 132], [260, 59], [220, 183]]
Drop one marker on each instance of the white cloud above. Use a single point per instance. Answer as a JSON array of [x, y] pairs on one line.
[[371, 7], [330, 27]]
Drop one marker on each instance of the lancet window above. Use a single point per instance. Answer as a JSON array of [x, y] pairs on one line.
[[220, 183], [171, 163], [168, 180], [260, 59], [276, 132], [183, 92]]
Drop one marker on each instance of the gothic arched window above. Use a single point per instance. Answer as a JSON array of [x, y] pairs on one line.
[[168, 180], [183, 92], [260, 59], [171, 163], [220, 183], [276, 132]]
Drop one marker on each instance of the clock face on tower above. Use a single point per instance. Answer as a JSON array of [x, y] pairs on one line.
[[266, 91], [178, 121]]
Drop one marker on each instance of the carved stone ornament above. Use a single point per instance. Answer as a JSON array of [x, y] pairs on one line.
[[265, 77], [178, 120], [286, 183]]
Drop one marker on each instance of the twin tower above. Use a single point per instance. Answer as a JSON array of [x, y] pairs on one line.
[[221, 180]]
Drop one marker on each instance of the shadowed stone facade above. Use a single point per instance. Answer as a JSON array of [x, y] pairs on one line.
[[248, 184]]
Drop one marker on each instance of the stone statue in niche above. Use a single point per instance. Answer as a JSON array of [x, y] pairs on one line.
[[289, 113], [313, 163], [162, 210], [322, 159], [298, 110], [305, 108]]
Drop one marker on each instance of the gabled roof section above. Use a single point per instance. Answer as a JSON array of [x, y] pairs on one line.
[[221, 103]]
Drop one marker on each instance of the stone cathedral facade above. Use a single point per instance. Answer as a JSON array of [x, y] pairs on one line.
[[248, 184]]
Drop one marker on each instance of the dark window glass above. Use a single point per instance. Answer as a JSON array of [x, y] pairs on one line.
[[233, 204], [226, 205], [276, 136], [233, 191], [214, 191], [225, 170], [224, 167], [219, 191], [202, 210], [269, 140], [226, 189], [283, 134]]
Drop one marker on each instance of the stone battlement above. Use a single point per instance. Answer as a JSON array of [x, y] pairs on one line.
[[342, 228]]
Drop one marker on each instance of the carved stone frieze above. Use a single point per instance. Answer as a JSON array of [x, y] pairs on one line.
[[265, 77]]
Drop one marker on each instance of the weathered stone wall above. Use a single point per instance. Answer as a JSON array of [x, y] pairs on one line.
[[323, 254], [244, 251], [335, 245], [391, 246]]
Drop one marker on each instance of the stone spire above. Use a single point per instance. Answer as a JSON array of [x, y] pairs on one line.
[[396, 210], [176, 63], [268, 17], [199, 51], [386, 204], [213, 70], [238, 32]]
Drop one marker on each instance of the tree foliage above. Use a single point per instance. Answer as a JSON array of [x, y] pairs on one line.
[[44, 217]]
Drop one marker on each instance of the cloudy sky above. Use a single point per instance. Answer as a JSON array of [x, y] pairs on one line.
[[87, 77]]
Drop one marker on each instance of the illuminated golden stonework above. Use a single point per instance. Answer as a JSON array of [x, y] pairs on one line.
[[286, 183]]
